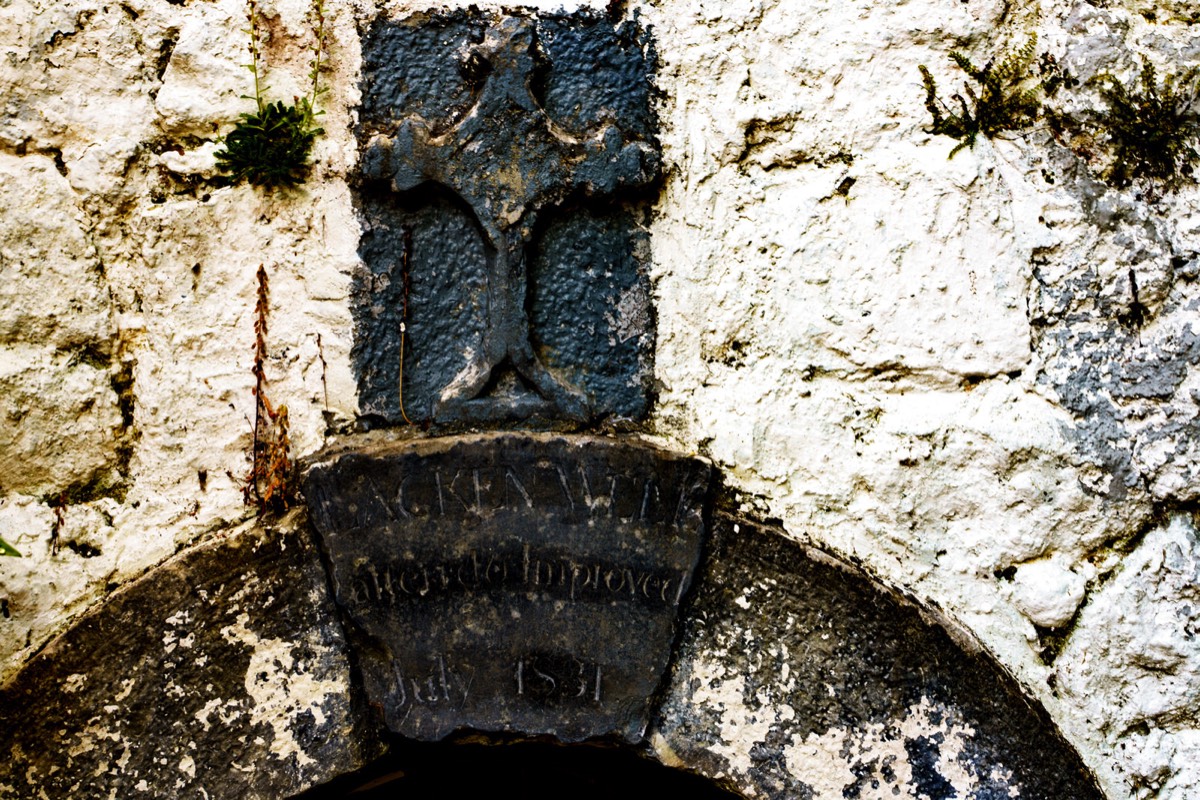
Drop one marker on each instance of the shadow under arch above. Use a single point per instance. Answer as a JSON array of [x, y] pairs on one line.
[[477, 766]]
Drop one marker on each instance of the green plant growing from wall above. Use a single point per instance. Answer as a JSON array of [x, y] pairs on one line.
[[7, 549], [270, 147], [1008, 98], [1152, 129]]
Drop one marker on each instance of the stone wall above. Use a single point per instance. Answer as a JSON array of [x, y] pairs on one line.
[[938, 368]]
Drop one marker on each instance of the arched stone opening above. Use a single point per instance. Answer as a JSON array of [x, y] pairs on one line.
[[252, 667]]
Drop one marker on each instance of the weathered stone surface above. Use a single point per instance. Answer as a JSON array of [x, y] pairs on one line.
[[51, 287], [1151, 611], [798, 678], [61, 98], [491, 142], [59, 414], [200, 78], [511, 582], [220, 674], [61, 421], [845, 316], [930, 363]]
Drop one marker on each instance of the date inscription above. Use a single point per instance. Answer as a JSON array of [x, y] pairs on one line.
[[538, 677]]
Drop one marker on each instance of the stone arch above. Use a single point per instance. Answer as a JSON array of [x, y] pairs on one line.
[[237, 668]]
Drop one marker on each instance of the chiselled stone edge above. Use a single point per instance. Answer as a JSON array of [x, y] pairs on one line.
[[962, 636], [294, 520], [958, 633], [388, 443], [176, 559]]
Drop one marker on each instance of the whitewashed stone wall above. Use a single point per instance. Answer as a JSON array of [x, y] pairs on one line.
[[919, 363]]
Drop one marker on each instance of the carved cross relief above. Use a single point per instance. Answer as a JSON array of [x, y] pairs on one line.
[[507, 160]]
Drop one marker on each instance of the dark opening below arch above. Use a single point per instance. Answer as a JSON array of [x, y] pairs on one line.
[[530, 770]]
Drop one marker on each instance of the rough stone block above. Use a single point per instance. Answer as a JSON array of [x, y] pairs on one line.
[[222, 673], [51, 288], [797, 678], [62, 423]]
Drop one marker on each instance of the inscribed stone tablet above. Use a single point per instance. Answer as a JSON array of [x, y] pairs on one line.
[[511, 582]]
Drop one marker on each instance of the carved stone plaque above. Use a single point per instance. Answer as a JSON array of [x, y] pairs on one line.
[[507, 161], [511, 582]]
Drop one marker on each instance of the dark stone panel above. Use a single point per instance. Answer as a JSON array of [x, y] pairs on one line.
[[594, 72], [418, 68], [589, 308], [451, 99], [439, 293], [817, 650], [220, 674], [508, 582]]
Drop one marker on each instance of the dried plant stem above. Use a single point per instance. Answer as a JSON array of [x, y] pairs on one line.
[[260, 355], [405, 286], [252, 17], [268, 486], [318, 11], [324, 371], [60, 520]]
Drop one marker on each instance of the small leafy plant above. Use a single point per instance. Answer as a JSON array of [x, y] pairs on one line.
[[1008, 98], [7, 549], [271, 146], [1152, 129]]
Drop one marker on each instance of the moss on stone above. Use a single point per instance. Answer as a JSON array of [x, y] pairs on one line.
[[1152, 127]]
